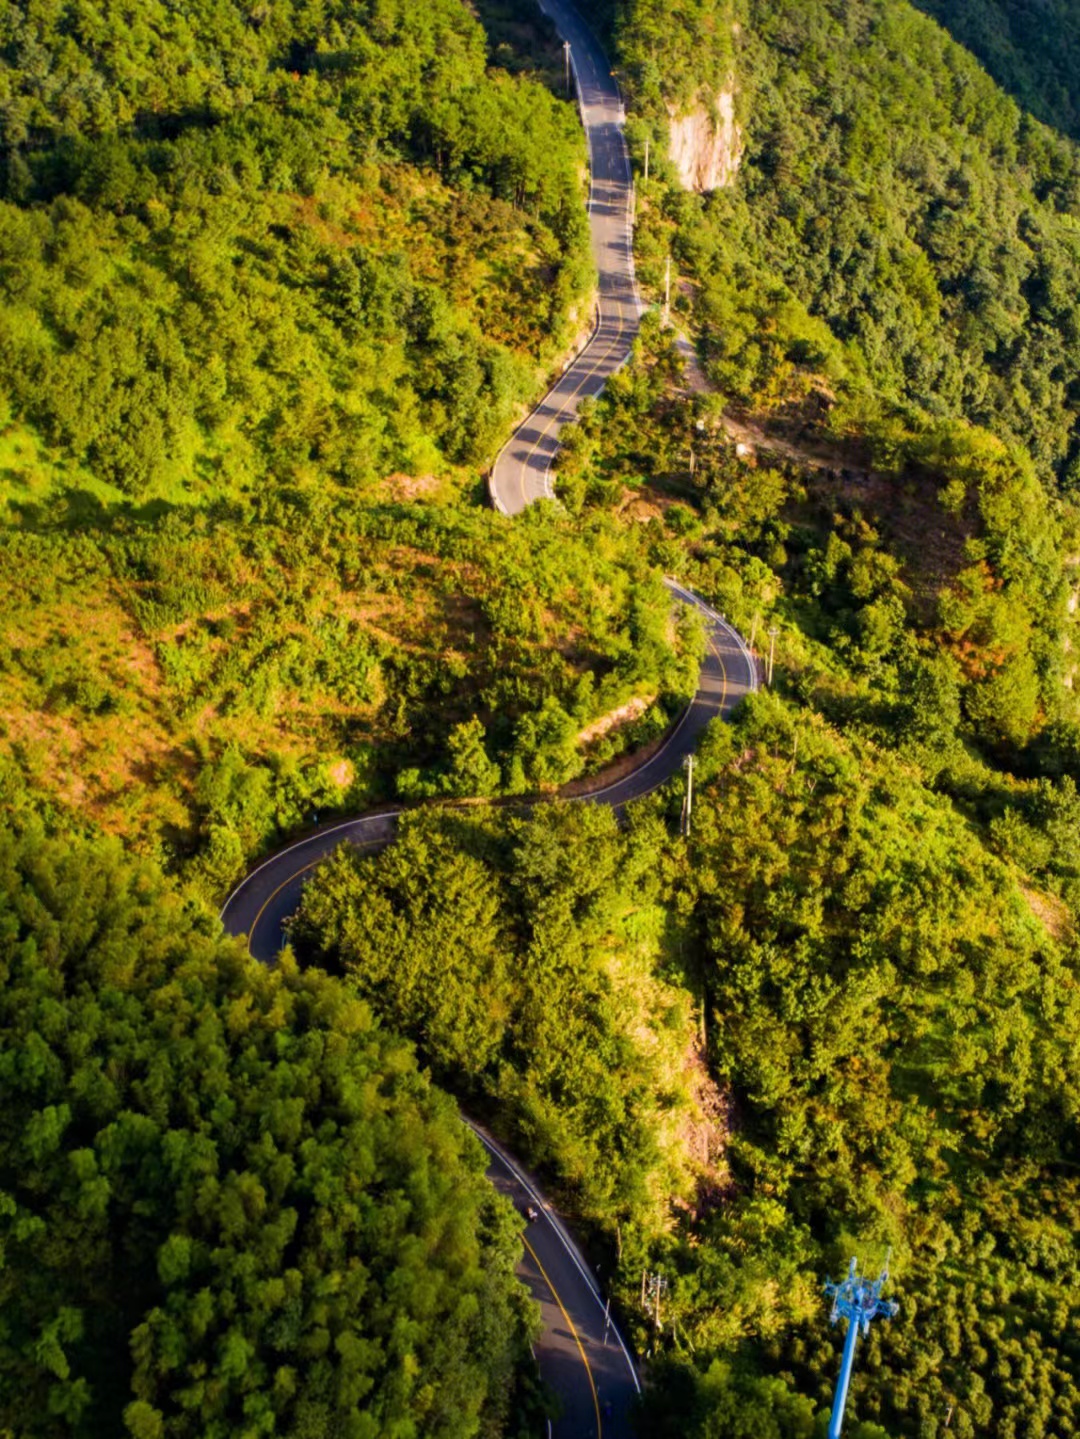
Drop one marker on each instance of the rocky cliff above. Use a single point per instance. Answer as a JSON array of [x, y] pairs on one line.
[[706, 146]]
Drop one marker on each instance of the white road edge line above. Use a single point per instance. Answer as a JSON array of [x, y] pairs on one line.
[[687, 596], [307, 839], [684, 594], [564, 1238], [547, 484]]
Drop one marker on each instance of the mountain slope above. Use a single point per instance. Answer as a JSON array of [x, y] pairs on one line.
[[876, 469], [1033, 51]]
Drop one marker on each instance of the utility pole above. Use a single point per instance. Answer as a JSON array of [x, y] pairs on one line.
[[858, 1301], [657, 1288], [688, 797], [566, 53], [773, 632]]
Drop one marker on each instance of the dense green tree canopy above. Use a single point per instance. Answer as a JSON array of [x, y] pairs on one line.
[[229, 1204], [1031, 51], [518, 953], [241, 246], [272, 279], [898, 1025], [891, 1021], [887, 188]]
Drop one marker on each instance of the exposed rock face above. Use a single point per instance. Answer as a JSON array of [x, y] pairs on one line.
[[707, 149]]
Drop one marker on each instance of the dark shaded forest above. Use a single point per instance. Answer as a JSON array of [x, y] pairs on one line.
[[1031, 51]]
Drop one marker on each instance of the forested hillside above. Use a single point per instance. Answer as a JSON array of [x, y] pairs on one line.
[[887, 289], [1031, 51], [229, 1201], [274, 282], [880, 898], [524, 956], [332, 246], [206, 682], [891, 190], [891, 1023]]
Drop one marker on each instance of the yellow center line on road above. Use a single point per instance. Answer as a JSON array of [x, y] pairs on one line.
[[572, 399], [573, 1331], [367, 844]]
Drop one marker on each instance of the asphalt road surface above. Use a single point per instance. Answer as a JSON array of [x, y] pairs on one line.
[[581, 1354], [522, 472], [271, 893], [583, 1359]]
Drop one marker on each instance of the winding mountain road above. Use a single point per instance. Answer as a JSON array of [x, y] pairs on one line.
[[582, 1357], [522, 472], [271, 893], [581, 1354]]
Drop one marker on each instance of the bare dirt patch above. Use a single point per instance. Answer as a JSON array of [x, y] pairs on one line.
[[707, 145], [631, 710], [704, 1133], [401, 488], [342, 774], [1051, 912]]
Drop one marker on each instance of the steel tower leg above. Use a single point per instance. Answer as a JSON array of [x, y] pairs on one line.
[[842, 1383]]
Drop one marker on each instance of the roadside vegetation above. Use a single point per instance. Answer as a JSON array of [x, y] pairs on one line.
[[889, 1026], [337, 247], [899, 241], [525, 956], [262, 318], [208, 683], [874, 472], [231, 1204], [265, 315]]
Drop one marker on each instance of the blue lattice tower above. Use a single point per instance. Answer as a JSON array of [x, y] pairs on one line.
[[859, 1301]]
